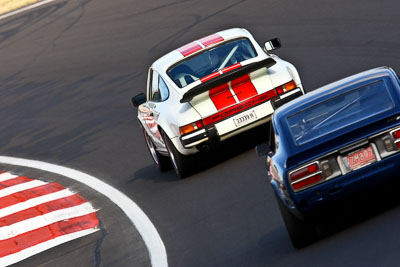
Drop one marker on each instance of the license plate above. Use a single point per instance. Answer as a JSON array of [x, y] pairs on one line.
[[245, 118], [360, 158]]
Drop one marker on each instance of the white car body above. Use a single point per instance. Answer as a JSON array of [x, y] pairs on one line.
[[221, 112]]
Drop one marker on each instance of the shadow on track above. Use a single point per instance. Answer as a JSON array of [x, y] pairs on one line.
[[359, 208], [349, 212], [205, 160]]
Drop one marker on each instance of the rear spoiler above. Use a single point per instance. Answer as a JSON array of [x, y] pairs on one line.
[[226, 77]]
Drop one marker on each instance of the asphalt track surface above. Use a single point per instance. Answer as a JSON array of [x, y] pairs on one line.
[[68, 70]]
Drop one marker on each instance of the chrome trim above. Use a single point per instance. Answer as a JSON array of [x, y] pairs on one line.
[[353, 146], [391, 134], [343, 168], [197, 132], [383, 132], [195, 143], [306, 177], [377, 154], [289, 93]]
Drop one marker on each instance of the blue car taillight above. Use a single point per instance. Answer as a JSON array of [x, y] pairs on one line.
[[396, 137], [314, 173], [305, 176]]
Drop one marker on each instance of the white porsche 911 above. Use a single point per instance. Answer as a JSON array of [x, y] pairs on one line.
[[210, 90]]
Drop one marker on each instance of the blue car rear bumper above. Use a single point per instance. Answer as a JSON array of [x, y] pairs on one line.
[[322, 197]]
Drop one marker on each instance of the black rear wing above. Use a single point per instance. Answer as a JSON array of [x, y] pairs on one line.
[[226, 77]]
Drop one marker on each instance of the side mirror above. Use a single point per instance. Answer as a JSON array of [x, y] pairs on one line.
[[263, 149], [138, 99], [272, 44]]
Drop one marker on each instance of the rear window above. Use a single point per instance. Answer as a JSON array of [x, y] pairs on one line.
[[339, 112], [210, 61]]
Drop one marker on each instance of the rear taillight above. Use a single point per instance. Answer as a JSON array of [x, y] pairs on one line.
[[286, 87], [396, 137], [191, 127], [305, 176]]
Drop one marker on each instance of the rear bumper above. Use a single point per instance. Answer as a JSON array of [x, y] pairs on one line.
[[320, 201], [230, 126], [286, 98], [212, 134]]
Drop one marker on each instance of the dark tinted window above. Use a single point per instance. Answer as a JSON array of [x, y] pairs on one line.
[[210, 61], [339, 112]]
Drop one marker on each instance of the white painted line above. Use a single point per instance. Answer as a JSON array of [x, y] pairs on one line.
[[38, 4], [7, 176], [151, 238], [34, 202], [31, 251], [20, 187], [37, 222]]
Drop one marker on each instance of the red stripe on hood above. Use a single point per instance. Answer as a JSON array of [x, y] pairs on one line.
[[221, 96], [243, 87]]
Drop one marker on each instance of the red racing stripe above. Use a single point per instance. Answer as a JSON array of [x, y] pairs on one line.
[[14, 181], [29, 193], [209, 77], [221, 96], [256, 100], [43, 234], [217, 73], [243, 87], [189, 49], [227, 69], [211, 39], [58, 204]]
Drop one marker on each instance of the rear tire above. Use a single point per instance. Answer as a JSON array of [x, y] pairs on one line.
[[161, 161], [301, 233], [180, 163]]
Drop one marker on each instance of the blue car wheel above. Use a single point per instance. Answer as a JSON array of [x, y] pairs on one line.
[[301, 233]]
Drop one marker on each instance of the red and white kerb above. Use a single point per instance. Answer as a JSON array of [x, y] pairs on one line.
[[36, 216]]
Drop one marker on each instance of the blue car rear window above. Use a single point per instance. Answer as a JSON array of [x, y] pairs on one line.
[[339, 112]]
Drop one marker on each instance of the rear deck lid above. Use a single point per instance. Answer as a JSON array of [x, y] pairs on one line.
[[222, 76]]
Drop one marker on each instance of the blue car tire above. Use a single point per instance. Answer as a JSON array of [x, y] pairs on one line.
[[301, 233]]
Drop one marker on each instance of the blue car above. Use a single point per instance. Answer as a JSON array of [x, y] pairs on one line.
[[332, 143]]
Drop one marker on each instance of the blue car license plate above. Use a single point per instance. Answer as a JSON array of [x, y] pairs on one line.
[[362, 157]]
